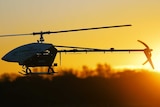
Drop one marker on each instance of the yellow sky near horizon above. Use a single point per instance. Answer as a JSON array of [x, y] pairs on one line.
[[27, 16]]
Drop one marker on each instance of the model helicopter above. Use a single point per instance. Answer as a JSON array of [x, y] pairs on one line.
[[42, 54]]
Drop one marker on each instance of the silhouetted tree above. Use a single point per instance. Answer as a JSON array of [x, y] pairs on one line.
[[121, 89]]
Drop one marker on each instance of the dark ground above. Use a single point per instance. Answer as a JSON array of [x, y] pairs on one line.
[[123, 89]]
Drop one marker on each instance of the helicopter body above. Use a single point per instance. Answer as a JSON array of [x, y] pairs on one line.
[[32, 55]]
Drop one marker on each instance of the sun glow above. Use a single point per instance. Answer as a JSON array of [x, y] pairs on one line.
[[156, 62]]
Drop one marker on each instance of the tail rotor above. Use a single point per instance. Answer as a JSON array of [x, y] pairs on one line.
[[147, 52]]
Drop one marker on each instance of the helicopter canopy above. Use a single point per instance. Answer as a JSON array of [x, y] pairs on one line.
[[22, 53]]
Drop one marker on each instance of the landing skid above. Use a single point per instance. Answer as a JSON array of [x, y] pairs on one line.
[[29, 72], [38, 73]]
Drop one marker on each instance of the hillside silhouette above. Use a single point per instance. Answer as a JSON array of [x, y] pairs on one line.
[[102, 87]]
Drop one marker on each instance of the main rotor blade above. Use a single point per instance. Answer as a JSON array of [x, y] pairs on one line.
[[16, 35], [95, 28], [63, 31]]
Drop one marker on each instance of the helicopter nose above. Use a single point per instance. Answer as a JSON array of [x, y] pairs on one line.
[[9, 58]]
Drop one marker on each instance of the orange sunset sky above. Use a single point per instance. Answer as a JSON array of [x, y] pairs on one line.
[[27, 16]]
